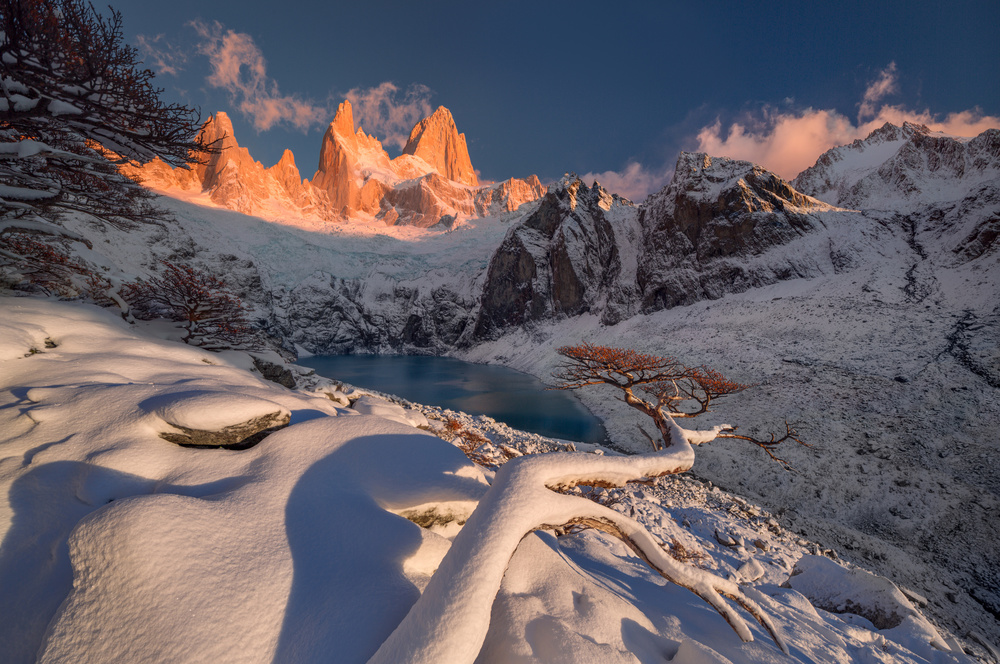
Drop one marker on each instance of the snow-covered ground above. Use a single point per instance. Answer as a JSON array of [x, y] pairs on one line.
[[119, 545], [904, 475]]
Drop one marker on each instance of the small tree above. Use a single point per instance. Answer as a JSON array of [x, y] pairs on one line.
[[670, 391], [214, 318]]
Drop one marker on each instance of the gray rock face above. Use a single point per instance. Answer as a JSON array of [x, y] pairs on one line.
[[945, 189], [564, 259], [703, 231], [329, 315], [721, 226], [275, 373], [237, 436]]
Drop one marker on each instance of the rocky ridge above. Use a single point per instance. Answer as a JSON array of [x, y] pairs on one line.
[[945, 189], [432, 182]]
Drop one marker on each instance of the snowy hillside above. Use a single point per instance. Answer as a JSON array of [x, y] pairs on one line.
[[123, 546]]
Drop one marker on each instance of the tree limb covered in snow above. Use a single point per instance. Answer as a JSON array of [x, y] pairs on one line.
[[66, 71], [450, 620]]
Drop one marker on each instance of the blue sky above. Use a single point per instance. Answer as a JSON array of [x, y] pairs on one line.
[[607, 89]]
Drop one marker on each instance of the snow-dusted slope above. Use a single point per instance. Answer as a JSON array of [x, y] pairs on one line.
[[877, 330], [946, 188], [118, 545]]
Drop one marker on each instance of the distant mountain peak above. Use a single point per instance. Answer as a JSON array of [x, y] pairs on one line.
[[343, 121], [436, 140]]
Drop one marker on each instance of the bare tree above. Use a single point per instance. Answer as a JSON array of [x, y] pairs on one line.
[[669, 390], [451, 618], [68, 76], [213, 318]]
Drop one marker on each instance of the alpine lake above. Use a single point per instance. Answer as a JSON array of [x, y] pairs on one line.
[[517, 399]]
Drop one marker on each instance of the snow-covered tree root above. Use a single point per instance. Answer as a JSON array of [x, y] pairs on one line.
[[450, 620]]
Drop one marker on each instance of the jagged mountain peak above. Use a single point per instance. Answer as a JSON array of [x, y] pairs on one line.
[[343, 121], [904, 168], [729, 186], [574, 191], [432, 181], [436, 140]]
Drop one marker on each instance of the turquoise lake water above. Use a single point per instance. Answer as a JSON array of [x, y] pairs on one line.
[[517, 399]]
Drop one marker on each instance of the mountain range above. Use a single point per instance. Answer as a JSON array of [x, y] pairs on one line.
[[431, 182]]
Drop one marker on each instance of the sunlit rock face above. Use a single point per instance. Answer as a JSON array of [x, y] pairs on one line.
[[436, 140], [354, 171], [232, 178], [431, 183]]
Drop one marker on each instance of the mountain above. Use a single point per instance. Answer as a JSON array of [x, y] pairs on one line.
[[432, 182], [946, 188], [436, 140], [567, 257], [233, 179], [718, 228]]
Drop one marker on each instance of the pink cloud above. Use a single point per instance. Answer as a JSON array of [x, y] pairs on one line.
[[389, 114], [238, 66], [877, 90], [634, 182], [788, 143]]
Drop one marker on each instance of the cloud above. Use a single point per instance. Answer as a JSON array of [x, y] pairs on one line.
[[634, 182], [788, 143], [389, 114], [238, 66], [162, 56], [884, 85]]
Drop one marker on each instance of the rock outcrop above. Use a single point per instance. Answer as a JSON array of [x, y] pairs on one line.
[[563, 259], [436, 140], [705, 234], [946, 189]]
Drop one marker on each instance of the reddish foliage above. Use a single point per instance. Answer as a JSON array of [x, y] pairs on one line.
[[213, 317], [44, 265], [676, 390]]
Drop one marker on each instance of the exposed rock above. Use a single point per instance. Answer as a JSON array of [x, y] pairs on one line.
[[201, 418], [238, 436], [946, 189], [562, 260], [702, 230], [432, 179], [436, 140], [330, 315], [275, 373]]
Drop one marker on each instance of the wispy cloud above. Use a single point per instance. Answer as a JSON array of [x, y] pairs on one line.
[[238, 66], [388, 113], [877, 90], [789, 142], [634, 182], [160, 55]]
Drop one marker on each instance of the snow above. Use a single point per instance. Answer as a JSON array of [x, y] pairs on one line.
[[57, 107], [24, 194], [210, 411], [154, 554], [121, 546]]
